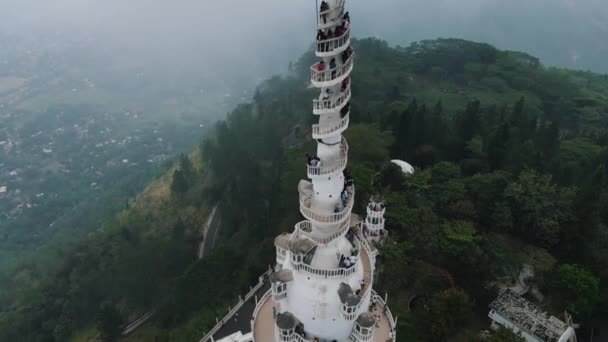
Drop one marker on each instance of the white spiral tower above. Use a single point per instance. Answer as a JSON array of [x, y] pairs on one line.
[[321, 287]]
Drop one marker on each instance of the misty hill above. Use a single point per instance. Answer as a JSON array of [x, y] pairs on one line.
[[510, 160], [165, 36]]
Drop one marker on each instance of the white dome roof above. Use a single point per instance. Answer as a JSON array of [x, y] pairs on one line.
[[405, 166]]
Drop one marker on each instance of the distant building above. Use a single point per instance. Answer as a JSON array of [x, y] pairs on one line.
[[522, 317]]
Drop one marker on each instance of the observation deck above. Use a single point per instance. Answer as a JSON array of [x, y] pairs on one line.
[[331, 77], [375, 213], [331, 17], [327, 128], [333, 104], [331, 166], [313, 215], [333, 46], [304, 228]]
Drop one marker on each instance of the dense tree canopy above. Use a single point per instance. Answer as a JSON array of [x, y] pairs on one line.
[[510, 164]]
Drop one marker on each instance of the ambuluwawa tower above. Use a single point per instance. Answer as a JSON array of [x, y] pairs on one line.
[[321, 286]]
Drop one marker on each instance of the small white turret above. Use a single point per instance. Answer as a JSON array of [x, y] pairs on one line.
[[373, 226]]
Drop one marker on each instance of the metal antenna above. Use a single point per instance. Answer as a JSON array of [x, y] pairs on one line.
[[317, 10]]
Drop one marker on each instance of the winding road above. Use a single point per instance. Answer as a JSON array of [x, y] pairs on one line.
[[209, 234]]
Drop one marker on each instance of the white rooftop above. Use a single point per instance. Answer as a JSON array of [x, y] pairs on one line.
[[406, 167]]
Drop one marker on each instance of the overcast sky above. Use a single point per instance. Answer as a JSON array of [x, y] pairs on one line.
[[268, 33]]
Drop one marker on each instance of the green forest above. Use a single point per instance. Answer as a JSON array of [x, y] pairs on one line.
[[510, 161]]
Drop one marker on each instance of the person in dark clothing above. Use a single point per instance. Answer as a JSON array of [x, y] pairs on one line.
[[346, 54], [346, 17], [345, 110], [321, 35], [345, 84], [324, 8], [339, 31], [332, 66]]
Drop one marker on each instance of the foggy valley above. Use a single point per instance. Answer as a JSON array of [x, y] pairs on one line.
[[102, 103]]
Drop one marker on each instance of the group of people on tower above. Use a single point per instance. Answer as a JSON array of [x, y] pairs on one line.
[[327, 34]]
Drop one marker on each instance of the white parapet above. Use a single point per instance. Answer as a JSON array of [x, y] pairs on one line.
[[330, 77], [331, 166], [323, 131], [333, 46], [333, 104]]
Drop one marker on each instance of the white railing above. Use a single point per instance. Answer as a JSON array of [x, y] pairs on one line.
[[360, 337], [305, 228], [281, 253], [317, 77], [320, 131], [375, 213], [295, 337], [374, 226], [238, 306], [364, 252], [320, 107], [332, 44], [337, 12], [311, 215], [324, 272], [349, 316], [331, 166], [378, 300]]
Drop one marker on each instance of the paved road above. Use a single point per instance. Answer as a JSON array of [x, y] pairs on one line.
[[138, 323], [241, 321], [210, 230]]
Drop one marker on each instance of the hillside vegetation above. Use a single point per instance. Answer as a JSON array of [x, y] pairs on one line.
[[511, 170]]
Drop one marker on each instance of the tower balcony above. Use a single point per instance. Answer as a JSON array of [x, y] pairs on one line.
[[281, 243], [331, 77], [327, 129], [363, 330], [333, 46], [374, 223], [279, 281], [352, 303], [313, 215], [328, 273], [332, 104], [290, 329], [372, 212], [304, 228], [332, 17], [329, 167]]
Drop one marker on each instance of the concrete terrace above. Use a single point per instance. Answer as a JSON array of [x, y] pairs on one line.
[[239, 319]]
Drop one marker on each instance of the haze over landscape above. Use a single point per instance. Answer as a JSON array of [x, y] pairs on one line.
[[111, 158]]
